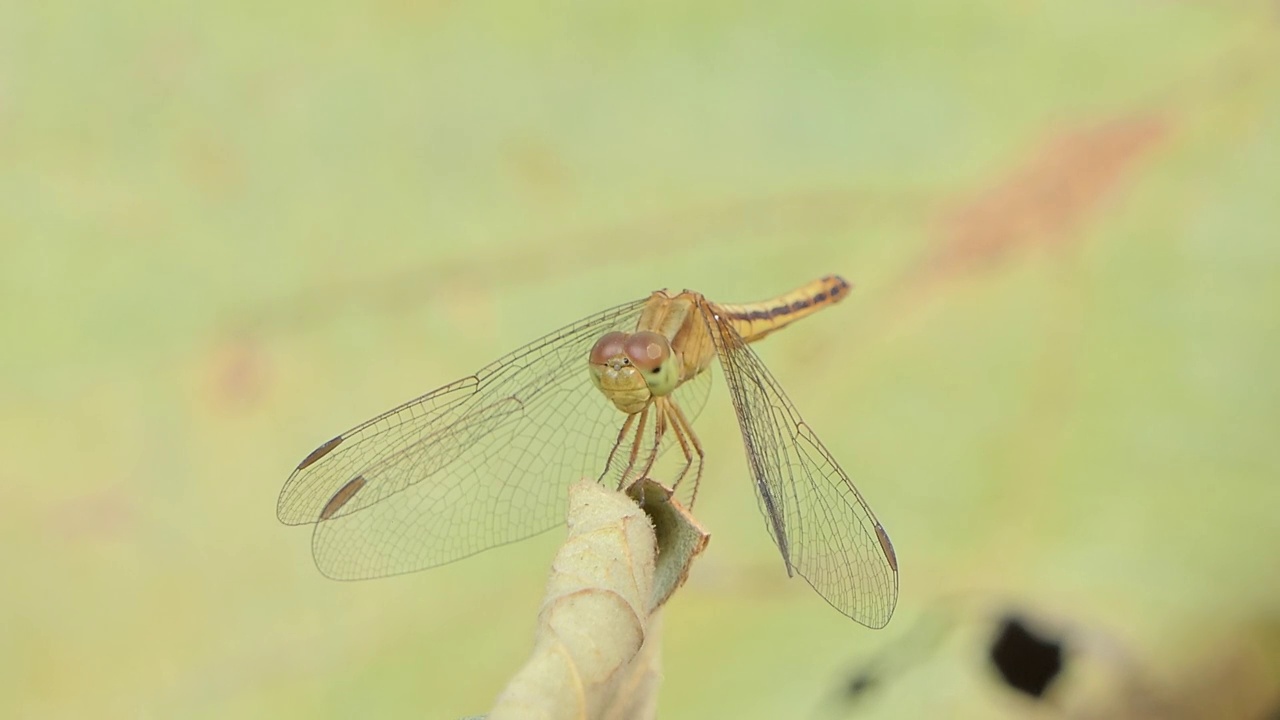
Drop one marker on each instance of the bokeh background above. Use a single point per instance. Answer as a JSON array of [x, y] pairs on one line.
[[230, 230]]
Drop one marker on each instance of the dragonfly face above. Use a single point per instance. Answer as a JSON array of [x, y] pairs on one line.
[[632, 369]]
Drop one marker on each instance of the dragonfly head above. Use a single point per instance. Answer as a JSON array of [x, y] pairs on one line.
[[633, 369]]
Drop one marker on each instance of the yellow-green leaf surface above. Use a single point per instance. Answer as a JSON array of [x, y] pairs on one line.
[[229, 231]]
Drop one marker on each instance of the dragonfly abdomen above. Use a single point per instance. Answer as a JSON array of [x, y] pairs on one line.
[[755, 320]]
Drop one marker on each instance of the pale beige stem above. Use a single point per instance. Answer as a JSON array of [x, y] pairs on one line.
[[596, 653]]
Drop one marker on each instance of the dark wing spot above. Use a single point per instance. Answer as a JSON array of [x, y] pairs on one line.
[[343, 496], [887, 547], [319, 452]]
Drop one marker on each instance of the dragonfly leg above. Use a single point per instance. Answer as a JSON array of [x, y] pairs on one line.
[[659, 429], [622, 434], [635, 448], [682, 424], [676, 429]]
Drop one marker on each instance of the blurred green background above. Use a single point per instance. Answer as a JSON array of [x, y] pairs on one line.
[[229, 231]]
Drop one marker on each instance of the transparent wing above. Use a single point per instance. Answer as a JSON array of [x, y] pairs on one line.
[[817, 518], [481, 462]]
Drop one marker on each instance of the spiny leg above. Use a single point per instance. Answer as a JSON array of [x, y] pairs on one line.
[[659, 429], [679, 432], [635, 448], [680, 421], [617, 444]]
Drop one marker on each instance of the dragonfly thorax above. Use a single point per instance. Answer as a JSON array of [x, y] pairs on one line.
[[632, 369]]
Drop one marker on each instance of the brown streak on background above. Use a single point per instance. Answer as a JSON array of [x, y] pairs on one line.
[[1049, 198]]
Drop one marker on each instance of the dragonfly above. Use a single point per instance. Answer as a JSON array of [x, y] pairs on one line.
[[487, 460]]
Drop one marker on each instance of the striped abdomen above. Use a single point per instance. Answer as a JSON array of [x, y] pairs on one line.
[[755, 320]]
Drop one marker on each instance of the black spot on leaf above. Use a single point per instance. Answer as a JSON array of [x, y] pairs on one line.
[[859, 684], [1027, 662]]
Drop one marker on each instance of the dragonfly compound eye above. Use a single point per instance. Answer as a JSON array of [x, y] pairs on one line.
[[609, 346], [651, 354]]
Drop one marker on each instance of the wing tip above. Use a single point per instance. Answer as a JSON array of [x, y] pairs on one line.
[[875, 615]]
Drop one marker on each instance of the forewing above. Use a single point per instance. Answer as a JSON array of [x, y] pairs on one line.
[[818, 519], [483, 461]]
